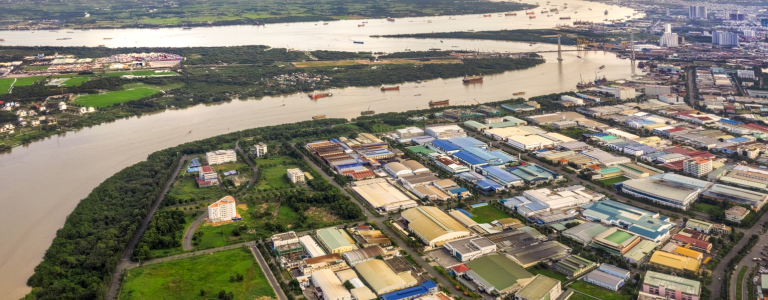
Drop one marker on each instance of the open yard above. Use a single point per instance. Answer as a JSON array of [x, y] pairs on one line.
[[185, 190], [610, 181], [597, 292], [186, 278], [6, 83], [487, 214], [273, 172], [707, 208], [129, 93]]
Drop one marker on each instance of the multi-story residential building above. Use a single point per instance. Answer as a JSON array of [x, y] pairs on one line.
[[668, 39], [671, 287], [221, 157], [296, 175], [259, 149], [207, 176], [697, 166], [736, 214], [222, 210]]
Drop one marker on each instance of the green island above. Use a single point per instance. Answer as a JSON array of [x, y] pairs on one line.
[[568, 36], [210, 75], [199, 277], [127, 14]]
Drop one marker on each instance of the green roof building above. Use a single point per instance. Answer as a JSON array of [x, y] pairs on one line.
[[335, 240], [474, 125], [420, 150], [540, 288], [640, 252], [573, 266], [497, 274]]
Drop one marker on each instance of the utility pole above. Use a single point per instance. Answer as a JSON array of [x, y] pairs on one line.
[[559, 51]]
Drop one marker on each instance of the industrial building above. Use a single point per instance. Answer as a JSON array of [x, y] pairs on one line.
[[563, 197], [700, 226], [540, 288], [445, 132], [331, 262], [615, 241], [637, 221], [335, 240], [667, 189], [674, 262], [606, 158], [533, 174], [529, 255], [448, 164], [328, 286], [693, 243], [573, 266], [382, 196], [736, 214], [433, 226], [671, 287], [287, 244], [721, 192], [585, 232], [497, 274], [409, 132], [469, 248], [640, 253], [604, 280], [555, 117], [426, 288], [635, 171], [311, 247], [382, 278], [355, 257]]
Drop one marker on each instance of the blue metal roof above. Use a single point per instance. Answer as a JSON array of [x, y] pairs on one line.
[[194, 163], [732, 122], [487, 184], [503, 155], [486, 155], [458, 190], [645, 232], [500, 174], [410, 293], [335, 141], [469, 158], [738, 140], [599, 134], [466, 213], [466, 142], [445, 145], [534, 206]]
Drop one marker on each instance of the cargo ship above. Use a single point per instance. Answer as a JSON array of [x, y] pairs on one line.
[[320, 95], [602, 67], [390, 19], [544, 11], [530, 13], [531, 17], [472, 79], [441, 103], [318, 117], [2, 40], [518, 94], [565, 18], [64, 39], [390, 88], [325, 23], [511, 14], [367, 112], [360, 25], [356, 42], [487, 16]]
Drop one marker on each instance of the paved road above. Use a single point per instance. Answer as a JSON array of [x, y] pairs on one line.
[[187, 241], [719, 272], [267, 271], [250, 163], [126, 258], [691, 94]]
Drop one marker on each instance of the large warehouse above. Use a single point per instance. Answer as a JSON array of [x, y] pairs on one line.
[[382, 195], [381, 277], [638, 221], [585, 232], [667, 189], [497, 274], [615, 241], [736, 195], [433, 226], [330, 286]]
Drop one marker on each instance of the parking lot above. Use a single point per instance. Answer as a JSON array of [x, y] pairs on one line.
[[443, 258]]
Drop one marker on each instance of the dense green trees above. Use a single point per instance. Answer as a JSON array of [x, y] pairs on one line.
[[164, 231]]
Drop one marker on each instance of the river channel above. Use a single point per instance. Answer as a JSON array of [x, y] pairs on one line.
[[47, 179]]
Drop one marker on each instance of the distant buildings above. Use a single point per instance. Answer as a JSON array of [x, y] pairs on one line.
[[382, 278], [668, 39], [222, 210], [382, 195], [296, 175], [573, 265], [220, 157], [671, 287], [259, 149], [725, 38], [721, 192], [497, 273], [636, 220], [697, 12]]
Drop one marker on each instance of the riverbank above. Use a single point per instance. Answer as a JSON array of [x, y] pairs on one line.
[[238, 12], [568, 37], [196, 84]]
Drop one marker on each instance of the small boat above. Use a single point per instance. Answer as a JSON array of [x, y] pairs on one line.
[[155, 28], [2, 40], [64, 39], [578, 56], [70, 32], [518, 94], [364, 22], [602, 67], [102, 45], [510, 14], [325, 23], [565, 18], [440, 103], [360, 25], [471, 30], [606, 12], [390, 19], [186, 28], [418, 81], [358, 42], [531, 17], [486, 16], [318, 117], [320, 95], [107, 38], [472, 79], [434, 49], [530, 13], [390, 88]]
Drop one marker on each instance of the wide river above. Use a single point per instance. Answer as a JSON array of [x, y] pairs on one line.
[[47, 179]]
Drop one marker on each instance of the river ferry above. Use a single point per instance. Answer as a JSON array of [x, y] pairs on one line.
[[472, 79], [320, 95], [440, 103], [510, 14], [390, 88]]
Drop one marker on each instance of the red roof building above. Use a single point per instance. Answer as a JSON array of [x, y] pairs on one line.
[[694, 244], [460, 269], [675, 165], [679, 150]]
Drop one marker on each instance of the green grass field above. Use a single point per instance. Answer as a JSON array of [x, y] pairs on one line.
[[550, 273], [138, 73], [110, 98], [618, 237], [5, 85], [28, 80], [185, 278], [487, 214], [185, 190], [706, 208], [611, 181], [740, 281], [273, 172], [597, 292], [75, 81]]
